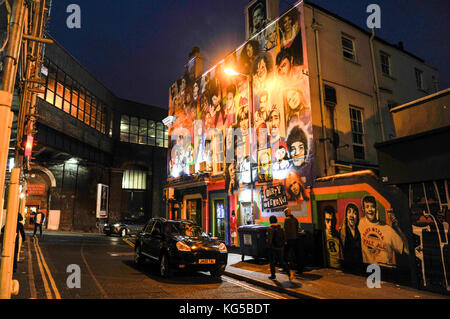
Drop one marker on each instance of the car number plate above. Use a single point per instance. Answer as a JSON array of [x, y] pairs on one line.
[[206, 261]]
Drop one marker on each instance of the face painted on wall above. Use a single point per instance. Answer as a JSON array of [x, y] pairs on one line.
[[261, 71], [352, 217], [263, 103], [274, 123], [370, 211], [249, 50], [329, 224], [298, 153], [284, 68], [287, 24], [293, 99], [258, 18]]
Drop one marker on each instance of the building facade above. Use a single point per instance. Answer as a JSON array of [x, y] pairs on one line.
[[87, 136], [300, 102]]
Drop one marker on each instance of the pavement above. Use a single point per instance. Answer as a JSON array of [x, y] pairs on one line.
[[318, 283]]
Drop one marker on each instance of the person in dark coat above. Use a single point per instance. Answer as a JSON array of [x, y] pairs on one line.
[[290, 229], [276, 240], [39, 220], [19, 231]]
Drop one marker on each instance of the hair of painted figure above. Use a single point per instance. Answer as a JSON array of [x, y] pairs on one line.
[[298, 146]]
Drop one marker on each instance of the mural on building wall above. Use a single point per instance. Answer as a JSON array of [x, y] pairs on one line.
[[362, 230], [266, 141], [430, 218]]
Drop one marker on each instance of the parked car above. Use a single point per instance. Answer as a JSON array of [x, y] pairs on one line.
[[180, 245], [125, 227]]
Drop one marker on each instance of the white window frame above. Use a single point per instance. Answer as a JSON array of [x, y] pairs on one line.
[[346, 50], [362, 132]]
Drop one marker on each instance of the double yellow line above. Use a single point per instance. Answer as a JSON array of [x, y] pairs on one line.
[[43, 268]]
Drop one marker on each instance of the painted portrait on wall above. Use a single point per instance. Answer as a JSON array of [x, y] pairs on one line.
[[257, 16]]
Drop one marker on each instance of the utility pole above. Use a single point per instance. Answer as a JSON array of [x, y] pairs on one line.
[[25, 36]]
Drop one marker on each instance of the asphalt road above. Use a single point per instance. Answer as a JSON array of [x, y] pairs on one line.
[[106, 271]]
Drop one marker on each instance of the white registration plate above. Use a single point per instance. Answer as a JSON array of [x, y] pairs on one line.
[[206, 261]]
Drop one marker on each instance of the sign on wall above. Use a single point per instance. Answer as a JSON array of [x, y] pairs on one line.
[[102, 200]]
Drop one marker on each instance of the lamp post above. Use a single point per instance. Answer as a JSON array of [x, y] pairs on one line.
[[250, 80]]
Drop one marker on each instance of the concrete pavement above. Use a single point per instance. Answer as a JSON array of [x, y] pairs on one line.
[[319, 283]]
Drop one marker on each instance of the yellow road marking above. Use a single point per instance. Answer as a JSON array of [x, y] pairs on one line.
[[128, 242], [44, 278], [30, 270], [50, 277]]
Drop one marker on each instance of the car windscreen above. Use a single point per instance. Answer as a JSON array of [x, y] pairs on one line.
[[186, 229]]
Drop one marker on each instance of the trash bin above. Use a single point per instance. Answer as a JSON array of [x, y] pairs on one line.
[[253, 241], [300, 250]]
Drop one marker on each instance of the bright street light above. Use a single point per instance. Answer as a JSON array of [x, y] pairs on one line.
[[232, 72]]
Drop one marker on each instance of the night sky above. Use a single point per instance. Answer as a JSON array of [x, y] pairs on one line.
[[138, 48]]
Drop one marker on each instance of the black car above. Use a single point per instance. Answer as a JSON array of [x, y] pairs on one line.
[[126, 226], [180, 245]]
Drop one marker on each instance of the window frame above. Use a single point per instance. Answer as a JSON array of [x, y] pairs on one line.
[[346, 50], [362, 133]]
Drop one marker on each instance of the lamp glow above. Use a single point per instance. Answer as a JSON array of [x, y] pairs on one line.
[[231, 71]]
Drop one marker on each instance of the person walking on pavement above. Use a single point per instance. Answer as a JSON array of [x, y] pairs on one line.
[[276, 240], [290, 229], [39, 220], [19, 231]]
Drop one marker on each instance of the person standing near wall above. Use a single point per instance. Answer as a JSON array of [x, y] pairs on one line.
[[276, 239], [39, 220], [290, 229]]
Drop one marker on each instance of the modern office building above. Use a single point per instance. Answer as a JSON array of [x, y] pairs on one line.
[[87, 136]]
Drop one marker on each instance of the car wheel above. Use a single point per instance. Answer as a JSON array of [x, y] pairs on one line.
[[218, 272], [164, 268], [123, 232], [138, 258]]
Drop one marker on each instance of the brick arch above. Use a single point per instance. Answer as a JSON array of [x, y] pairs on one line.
[[47, 172]]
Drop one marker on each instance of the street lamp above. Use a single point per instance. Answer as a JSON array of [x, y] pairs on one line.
[[232, 72]]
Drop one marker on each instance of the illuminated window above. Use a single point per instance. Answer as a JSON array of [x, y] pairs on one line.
[[66, 94], [356, 121], [134, 179]]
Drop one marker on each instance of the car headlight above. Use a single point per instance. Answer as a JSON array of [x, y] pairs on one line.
[[106, 225], [222, 248], [116, 225], [182, 246]]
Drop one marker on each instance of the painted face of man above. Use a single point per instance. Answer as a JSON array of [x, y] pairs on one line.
[[215, 100], [293, 99], [352, 217], [261, 72], [274, 124], [370, 211], [258, 18], [298, 153], [263, 103], [284, 68], [329, 225], [287, 24], [249, 49]]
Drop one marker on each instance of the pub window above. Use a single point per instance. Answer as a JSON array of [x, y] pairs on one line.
[[419, 78], [385, 63]]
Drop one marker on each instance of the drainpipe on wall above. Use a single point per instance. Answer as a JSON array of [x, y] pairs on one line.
[[377, 87], [315, 26]]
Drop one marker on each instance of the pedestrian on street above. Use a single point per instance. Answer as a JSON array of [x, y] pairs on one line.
[[276, 240], [39, 220], [290, 229], [19, 231]]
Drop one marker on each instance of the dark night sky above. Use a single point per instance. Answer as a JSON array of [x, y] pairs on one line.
[[138, 48]]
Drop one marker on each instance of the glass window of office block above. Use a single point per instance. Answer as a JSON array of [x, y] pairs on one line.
[[125, 128]]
